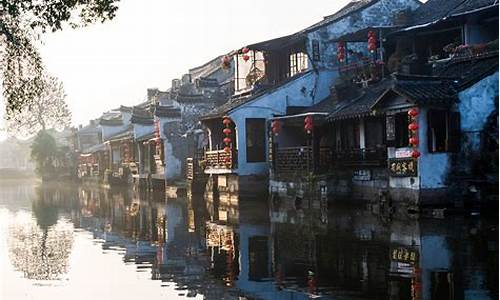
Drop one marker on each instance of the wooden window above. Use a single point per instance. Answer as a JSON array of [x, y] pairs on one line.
[[258, 258], [298, 63], [401, 123], [443, 131], [256, 140]]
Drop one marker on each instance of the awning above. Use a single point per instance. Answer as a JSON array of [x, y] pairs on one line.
[[93, 149]]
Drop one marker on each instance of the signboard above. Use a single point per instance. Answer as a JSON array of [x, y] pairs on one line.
[[404, 255], [361, 175], [403, 153], [402, 167]]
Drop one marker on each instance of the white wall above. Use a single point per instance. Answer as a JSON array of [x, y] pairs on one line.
[[141, 130], [275, 103]]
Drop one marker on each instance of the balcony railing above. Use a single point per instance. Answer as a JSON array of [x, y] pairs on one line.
[[219, 159], [303, 159], [362, 157]]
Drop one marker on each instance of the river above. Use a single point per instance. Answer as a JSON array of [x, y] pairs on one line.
[[73, 242]]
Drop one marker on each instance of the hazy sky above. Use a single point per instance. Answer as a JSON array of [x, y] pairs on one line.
[[150, 42]]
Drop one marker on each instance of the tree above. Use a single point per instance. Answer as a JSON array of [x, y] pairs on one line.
[[44, 153], [21, 23], [46, 110]]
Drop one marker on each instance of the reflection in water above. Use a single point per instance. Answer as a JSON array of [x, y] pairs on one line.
[[229, 245]]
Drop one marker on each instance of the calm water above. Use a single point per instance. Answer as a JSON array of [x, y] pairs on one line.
[[81, 243]]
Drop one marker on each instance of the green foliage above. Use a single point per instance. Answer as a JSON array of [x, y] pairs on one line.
[[44, 152], [21, 22]]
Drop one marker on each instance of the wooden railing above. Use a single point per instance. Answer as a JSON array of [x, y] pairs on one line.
[[362, 157], [293, 159], [219, 159]]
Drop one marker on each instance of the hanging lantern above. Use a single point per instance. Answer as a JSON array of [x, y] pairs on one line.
[[227, 159], [245, 50], [227, 149], [227, 131], [225, 59], [413, 141], [227, 140], [246, 57], [413, 126], [340, 51], [415, 154], [276, 127], [308, 124], [413, 112], [226, 62], [372, 41], [226, 121]]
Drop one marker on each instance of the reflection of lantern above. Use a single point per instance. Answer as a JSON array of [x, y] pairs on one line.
[[275, 127], [227, 149], [308, 124], [415, 154], [413, 126], [227, 131], [340, 51], [227, 140], [413, 112], [246, 57], [413, 141], [245, 50]]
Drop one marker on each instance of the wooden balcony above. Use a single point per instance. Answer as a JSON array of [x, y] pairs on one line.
[[362, 157], [219, 160], [302, 159]]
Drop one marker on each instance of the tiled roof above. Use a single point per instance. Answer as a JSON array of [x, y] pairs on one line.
[[361, 105], [142, 116], [468, 71], [90, 129], [425, 90], [167, 111], [203, 82], [112, 118], [189, 98], [351, 7], [435, 10]]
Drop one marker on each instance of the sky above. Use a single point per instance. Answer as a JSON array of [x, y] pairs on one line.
[[151, 42]]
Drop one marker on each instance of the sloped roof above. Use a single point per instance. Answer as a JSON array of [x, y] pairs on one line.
[[111, 118], [361, 105], [167, 111], [91, 128], [434, 11], [351, 7], [466, 72], [142, 115]]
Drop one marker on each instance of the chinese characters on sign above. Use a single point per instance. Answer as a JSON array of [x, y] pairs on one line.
[[402, 167], [405, 255]]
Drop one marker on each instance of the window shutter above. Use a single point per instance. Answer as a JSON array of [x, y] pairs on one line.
[[454, 132]]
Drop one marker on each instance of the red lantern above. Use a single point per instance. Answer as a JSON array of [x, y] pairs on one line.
[[227, 140], [413, 126], [227, 149], [308, 124], [226, 121], [227, 131], [276, 126], [413, 141], [246, 57], [227, 159], [413, 112], [372, 41], [225, 59], [340, 51], [415, 154], [245, 50]]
